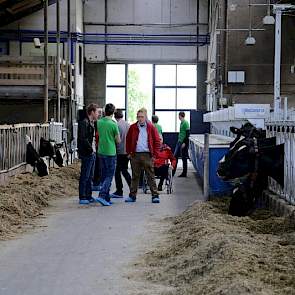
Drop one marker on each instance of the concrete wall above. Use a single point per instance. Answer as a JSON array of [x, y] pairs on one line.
[[95, 83], [257, 61], [145, 17]]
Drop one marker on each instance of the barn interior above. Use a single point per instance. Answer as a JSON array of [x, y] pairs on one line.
[[225, 64]]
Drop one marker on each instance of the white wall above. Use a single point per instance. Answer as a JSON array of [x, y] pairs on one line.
[[165, 12]]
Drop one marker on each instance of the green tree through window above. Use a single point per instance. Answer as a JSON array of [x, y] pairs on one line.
[[136, 98]]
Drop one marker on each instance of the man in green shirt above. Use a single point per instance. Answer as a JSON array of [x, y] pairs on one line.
[[155, 120], [182, 143], [108, 137]]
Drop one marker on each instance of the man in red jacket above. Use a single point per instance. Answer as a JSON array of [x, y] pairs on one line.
[[142, 145]]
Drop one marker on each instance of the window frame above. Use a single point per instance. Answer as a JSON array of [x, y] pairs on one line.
[[154, 87], [125, 86], [175, 87]]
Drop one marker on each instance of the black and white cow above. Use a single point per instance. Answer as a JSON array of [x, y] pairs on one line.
[[251, 159], [51, 149], [34, 159]]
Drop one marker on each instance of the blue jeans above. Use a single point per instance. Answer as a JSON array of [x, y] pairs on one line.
[[107, 171], [87, 170]]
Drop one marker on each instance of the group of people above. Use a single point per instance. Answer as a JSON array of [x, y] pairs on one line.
[[106, 146]]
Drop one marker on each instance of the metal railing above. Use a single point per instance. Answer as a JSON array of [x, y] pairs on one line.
[[13, 143], [284, 131]]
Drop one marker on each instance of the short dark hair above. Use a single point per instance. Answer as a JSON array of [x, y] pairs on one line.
[[155, 119], [91, 108], [118, 114], [109, 109], [182, 114]]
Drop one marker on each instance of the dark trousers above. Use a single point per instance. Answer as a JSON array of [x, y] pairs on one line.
[[107, 171], [161, 172], [122, 168], [139, 162], [96, 176], [85, 183], [183, 152]]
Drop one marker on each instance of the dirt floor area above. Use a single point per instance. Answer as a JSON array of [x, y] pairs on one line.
[[24, 197], [207, 251]]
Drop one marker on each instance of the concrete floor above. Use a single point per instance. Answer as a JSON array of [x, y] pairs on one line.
[[86, 250]]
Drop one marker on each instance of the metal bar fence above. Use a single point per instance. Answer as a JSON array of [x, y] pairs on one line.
[[284, 132], [13, 143]]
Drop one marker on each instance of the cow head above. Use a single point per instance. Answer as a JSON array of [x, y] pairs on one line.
[[34, 159], [247, 131], [47, 148], [244, 152], [239, 161]]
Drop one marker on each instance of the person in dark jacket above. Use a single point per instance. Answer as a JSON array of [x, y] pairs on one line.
[[87, 153], [142, 145]]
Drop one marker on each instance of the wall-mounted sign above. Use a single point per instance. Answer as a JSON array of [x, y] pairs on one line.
[[245, 111]]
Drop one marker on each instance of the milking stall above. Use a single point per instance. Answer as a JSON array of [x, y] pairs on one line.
[[147, 147]]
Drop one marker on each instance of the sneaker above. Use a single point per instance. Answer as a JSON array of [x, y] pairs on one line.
[[91, 200], [102, 201], [116, 195], [83, 202], [156, 199], [130, 200]]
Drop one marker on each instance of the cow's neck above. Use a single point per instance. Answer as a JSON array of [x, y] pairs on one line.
[[271, 163]]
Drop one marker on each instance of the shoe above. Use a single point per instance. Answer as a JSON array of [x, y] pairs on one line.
[[96, 188], [160, 188], [102, 201], [182, 175], [91, 200], [130, 200], [83, 202], [156, 200], [116, 195]]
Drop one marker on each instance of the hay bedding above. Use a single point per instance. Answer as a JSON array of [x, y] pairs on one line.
[[24, 197], [206, 251]]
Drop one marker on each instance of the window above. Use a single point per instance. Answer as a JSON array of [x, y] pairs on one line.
[[165, 98], [116, 85], [161, 89], [175, 90], [169, 120], [116, 75], [165, 75], [116, 96], [186, 75], [186, 98]]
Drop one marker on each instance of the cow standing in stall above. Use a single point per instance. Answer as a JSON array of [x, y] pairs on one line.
[[34, 159], [251, 159]]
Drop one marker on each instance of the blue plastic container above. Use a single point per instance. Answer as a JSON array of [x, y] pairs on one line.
[[218, 147]]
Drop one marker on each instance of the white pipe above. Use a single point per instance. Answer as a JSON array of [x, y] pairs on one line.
[[277, 69], [285, 108]]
